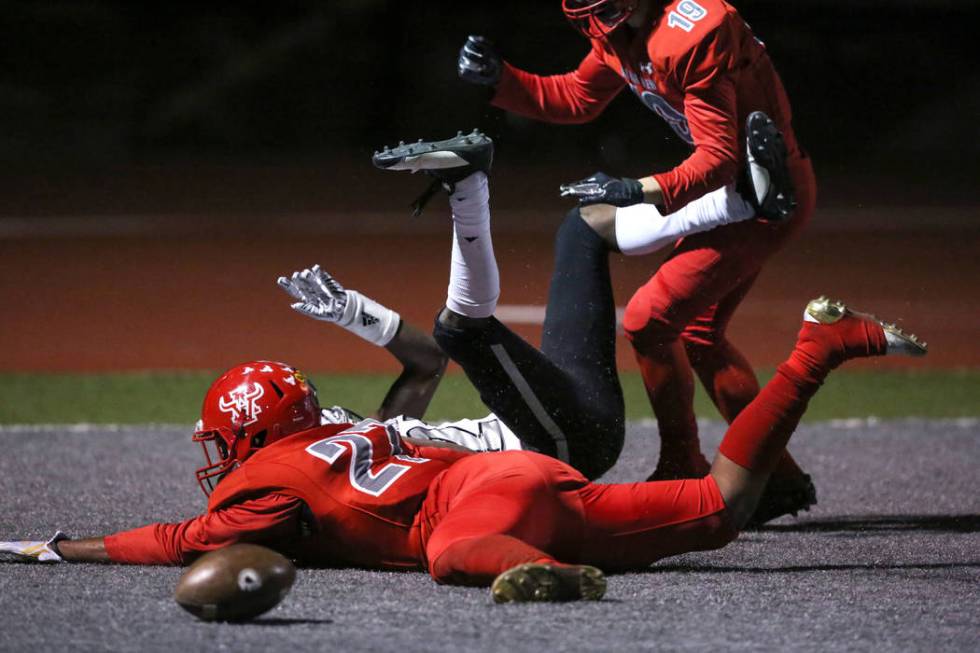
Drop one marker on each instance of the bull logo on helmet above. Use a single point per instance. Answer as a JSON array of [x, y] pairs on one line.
[[241, 403]]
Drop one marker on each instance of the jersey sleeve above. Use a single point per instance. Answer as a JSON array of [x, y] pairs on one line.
[[705, 73], [571, 98], [266, 519]]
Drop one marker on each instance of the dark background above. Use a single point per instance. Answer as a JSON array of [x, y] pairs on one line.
[[885, 94]]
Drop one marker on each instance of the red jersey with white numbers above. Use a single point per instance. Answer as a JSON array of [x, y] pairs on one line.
[[696, 64], [335, 495]]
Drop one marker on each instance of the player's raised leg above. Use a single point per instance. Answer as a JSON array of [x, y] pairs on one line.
[[563, 412], [764, 191], [629, 526], [725, 373], [460, 165], [831, 334], [518, 507], [580, 299]]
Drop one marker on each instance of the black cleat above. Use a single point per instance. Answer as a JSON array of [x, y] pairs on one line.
[[770, 186], [447, 161], [783, 496]]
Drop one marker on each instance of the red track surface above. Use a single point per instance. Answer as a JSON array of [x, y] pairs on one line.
[[182, 295]]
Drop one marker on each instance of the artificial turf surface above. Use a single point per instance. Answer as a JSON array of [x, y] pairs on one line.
[[175, 397], [888, 560]]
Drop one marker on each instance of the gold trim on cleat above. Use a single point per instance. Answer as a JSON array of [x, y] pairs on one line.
[[539, 582], [829, 311], [826, 311]]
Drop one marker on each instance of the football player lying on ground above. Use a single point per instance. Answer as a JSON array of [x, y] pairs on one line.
[[528, 525], [564, 400], [698, 66]]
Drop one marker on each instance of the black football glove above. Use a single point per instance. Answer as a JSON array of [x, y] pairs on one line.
[[600, 188], [479, 61]]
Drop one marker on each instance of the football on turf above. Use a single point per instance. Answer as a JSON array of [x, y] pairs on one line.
[[235, 583]]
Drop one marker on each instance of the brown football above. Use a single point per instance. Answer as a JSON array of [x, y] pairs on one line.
[[235, 583]]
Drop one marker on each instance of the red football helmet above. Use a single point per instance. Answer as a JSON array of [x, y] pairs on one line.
[[248, 407], [596, 18]]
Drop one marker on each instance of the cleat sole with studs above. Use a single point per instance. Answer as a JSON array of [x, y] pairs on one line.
[[829, 311], [539, 582]]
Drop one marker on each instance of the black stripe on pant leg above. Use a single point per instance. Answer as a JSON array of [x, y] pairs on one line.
[[532, 401]]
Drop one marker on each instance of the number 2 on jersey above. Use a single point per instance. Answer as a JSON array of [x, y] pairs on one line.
[[362, 478], [685, 15]]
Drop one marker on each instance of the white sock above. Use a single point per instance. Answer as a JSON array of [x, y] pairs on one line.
[[641, 228], [474, 281]]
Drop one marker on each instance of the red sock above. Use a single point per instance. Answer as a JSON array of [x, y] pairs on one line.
[[731, 383], [758, 436], [821, 347]]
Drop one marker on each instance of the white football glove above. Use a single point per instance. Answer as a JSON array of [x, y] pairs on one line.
[[320, 295], [323, 298], [34, 551]]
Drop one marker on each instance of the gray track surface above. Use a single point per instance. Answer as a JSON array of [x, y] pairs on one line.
[[889, 560]]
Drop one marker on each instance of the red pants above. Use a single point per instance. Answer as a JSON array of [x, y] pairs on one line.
[[678, 320], [490, 512], [696, 291]]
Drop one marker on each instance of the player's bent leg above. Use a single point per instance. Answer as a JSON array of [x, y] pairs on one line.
[[491, 512], [601, 218], [515, 380], [831, 334], [731, 384], [772, 190], [632, 525], [653, 323], [459, 165], [703, 270], [726, 374], [450, 319], [579, 336], [538, 400]]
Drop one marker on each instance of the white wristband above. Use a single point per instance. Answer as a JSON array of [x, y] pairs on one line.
[[368, 319]]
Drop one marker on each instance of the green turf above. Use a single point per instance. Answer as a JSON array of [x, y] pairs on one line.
[[175, 397]]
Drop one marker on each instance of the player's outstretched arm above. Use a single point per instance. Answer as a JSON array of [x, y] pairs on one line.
[[59, 548], [90, 549], [322, 297]]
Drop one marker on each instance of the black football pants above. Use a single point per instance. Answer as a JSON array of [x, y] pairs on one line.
[[564, 400]]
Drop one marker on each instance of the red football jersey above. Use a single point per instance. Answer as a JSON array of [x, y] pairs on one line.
[[697, 65], [335, 495], [363, 487]]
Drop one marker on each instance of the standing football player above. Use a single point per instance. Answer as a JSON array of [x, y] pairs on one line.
[[697, 65]]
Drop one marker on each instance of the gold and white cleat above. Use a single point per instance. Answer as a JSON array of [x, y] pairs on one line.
[[828, 311], [544, 582]]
